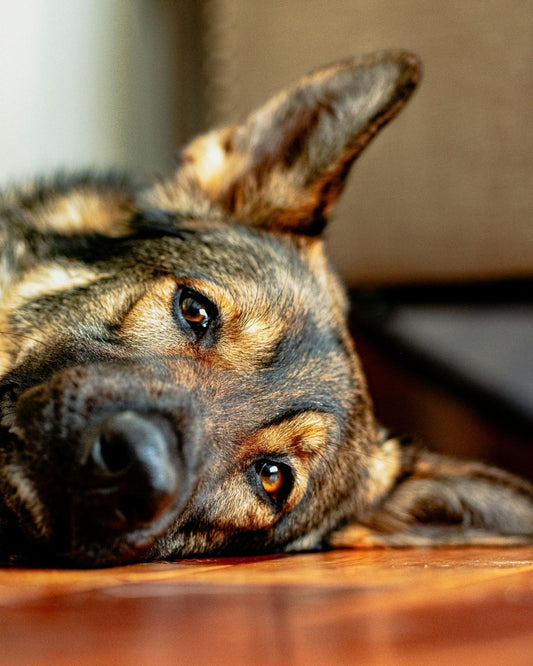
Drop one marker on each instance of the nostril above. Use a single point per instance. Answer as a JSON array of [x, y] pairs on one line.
[[139, 510], [125, 439], [111, 453]]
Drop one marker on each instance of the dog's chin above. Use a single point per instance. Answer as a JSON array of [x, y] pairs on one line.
[[92, 548], [87, 554], [69, 543], [97, 555]]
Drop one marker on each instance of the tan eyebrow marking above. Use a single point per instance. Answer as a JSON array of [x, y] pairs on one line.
[[247, 334]]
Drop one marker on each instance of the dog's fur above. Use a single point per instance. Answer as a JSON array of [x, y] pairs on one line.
[[177, 374]]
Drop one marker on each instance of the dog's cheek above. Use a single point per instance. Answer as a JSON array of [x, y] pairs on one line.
[[384, 468], [21, 496], [233, 507], [149, 324], [22, 332]]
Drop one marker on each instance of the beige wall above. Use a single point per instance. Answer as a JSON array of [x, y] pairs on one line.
[[446, 191], [97, 84]]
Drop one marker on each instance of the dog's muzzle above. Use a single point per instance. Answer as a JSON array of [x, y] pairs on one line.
[[111, 452]]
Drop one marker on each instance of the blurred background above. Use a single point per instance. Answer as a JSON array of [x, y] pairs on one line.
[[444, 193], [443, 196]]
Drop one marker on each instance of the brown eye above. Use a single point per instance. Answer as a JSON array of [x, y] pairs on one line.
[[271, 477], [274, 480], [193, 311]]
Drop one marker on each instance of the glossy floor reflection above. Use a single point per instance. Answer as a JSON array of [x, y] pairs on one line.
[[412, 606]]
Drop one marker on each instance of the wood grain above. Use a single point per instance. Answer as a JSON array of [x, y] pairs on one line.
[[412, 606]]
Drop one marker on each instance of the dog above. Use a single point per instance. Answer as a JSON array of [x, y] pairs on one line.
[[177, 375]]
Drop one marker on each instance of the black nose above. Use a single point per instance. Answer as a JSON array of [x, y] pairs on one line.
[[131, 474]]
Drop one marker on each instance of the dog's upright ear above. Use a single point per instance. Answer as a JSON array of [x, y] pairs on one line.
[[423, 498], [285, 166]]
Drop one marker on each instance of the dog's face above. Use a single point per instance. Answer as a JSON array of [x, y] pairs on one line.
[[199, 387], [178, 377]]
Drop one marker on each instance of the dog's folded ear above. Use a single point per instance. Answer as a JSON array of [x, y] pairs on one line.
[[285, 166], [434, 500]]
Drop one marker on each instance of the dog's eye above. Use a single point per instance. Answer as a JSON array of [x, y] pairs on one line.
[[275, 479], [271, 477], [194, 310]]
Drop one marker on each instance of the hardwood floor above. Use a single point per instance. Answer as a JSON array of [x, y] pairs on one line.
[[412, 606]]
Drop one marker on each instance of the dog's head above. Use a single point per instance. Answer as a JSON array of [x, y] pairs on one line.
[[178, 377]]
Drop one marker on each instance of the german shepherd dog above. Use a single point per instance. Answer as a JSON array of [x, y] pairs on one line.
[[177, 376]]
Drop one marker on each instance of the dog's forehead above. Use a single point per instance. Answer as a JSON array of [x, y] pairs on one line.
[[250, 264]]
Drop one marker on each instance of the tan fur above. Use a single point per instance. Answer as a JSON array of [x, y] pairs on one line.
[[235, 506], [42, 280], [85, 211], [303, 435], [383, 468], [210, 162], [27, 496], [246, 337]]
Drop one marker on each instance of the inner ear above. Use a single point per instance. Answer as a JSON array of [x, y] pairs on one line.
[[285, 166]]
